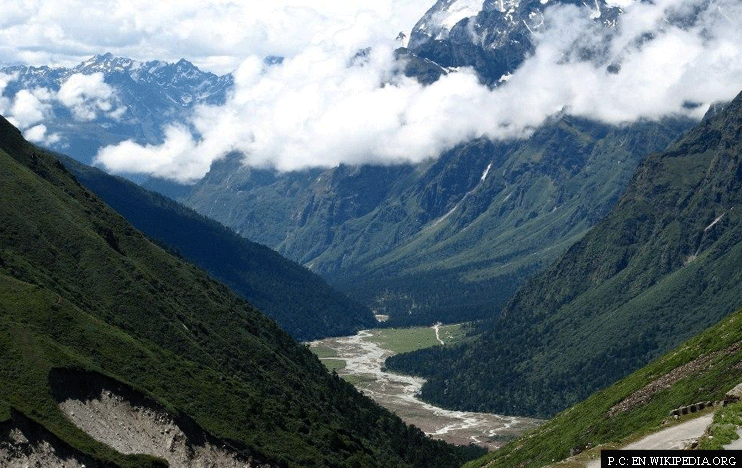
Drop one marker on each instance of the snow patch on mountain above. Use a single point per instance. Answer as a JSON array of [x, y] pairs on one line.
[[456, 11], [486, 171], [444, 16]]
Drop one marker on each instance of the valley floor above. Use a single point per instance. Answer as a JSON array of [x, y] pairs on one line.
[[364, 355]]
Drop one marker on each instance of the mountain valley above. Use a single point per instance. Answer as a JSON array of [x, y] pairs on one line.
[[448, 240], [269, 279], [658, 269]]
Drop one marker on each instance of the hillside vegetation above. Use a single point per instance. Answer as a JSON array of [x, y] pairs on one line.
[[702, 369], [299, 300], [660, 268], [82, 291]]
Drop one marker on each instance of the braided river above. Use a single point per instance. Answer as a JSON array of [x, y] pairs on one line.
[[364, 363]]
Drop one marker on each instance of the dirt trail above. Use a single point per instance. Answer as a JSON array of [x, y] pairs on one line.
[[437, 328], [672, 438]]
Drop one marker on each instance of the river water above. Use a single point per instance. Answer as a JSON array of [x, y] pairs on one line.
[[364, 360]]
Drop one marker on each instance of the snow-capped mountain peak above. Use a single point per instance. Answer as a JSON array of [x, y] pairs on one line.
[[105, 63], [492, 36], [456, 11], [443, 16]]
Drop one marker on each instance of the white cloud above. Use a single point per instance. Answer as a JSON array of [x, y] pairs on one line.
[[30, 107], [177, 158], [215, 34], [4, 101], [86, 96], [37, 134], [316, 109], [699, 64]]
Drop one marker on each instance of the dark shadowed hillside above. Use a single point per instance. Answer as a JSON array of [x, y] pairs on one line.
[[299, 300]]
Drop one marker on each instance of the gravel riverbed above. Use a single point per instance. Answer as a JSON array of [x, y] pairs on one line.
[[364, 361]]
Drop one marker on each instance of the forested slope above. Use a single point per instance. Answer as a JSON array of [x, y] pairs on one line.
[[700, 370], [661, 267]]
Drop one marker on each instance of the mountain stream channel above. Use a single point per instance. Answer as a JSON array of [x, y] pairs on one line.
[[364, 366]]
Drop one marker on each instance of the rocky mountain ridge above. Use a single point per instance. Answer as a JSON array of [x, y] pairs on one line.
[[132, 100], [448, 239], [182, 82], [492, 36]]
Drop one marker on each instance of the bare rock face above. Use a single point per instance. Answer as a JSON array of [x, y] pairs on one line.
[[142, 429], [734, 394], [121, 417], [128, 428], [492, 36], [17, 451], [25, 443]]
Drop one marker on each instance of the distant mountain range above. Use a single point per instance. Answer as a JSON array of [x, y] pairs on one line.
[[449, 239], [660, 268], [147, 95]]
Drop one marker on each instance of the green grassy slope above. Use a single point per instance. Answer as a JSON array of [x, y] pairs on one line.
[[702, 369], [80, 288], [299, 300], [660, 268]]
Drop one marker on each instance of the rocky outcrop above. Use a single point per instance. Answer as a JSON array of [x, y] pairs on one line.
[[642, 396], [733, 395], [111, 419]]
